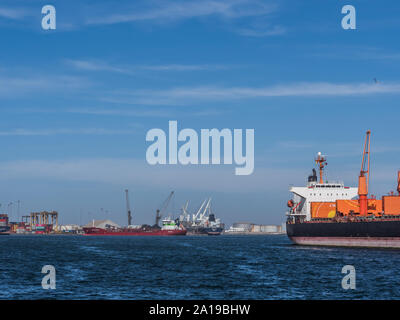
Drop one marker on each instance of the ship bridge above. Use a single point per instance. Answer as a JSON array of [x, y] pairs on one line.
[[318, 192], [326, 192]]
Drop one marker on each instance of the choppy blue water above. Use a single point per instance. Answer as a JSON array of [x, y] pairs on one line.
[[224, 267]]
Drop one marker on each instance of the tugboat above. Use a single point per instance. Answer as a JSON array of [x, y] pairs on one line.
[[329, 214]]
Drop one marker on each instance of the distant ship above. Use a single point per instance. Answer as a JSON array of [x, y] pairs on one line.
[[328, 213], [169, 227], [203, 222]]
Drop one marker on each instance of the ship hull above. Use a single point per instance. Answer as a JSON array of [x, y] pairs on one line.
[[4, 231], [379, 234], [198, 230], [132, 232]]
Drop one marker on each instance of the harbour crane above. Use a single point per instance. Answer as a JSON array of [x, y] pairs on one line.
[[164, 206], [128, 208], [363, 179]]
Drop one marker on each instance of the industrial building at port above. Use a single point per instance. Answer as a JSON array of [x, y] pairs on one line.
[[251, 228]]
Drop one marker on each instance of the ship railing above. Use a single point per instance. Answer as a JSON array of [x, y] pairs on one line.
[[330, 182], [295, 214]]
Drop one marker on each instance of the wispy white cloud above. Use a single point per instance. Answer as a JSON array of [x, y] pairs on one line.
[[230, 14], [194, 94], [92, 65], [174, 10], [64, 131], [142, 113], [11, 85], [119, 112], [245, 17], [262, 32], [98, 65], [182, 67], [13, 13], [352, 52], [126, 112]]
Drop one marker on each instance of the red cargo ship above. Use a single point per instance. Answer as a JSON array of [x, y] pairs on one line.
[[169, 228], [132, 232]]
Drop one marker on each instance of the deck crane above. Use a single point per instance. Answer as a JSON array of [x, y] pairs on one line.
[[164, 206], [198, 211], [128, 208], [185, 213], [206, 209], [363, 180]]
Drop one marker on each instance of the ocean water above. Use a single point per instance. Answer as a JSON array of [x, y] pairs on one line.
[[191, 267]]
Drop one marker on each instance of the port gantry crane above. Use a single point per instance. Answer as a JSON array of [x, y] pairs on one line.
[[164, 206], [128, 208], [363, 179]]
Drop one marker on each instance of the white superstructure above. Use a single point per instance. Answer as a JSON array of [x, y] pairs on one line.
[[300, 205]]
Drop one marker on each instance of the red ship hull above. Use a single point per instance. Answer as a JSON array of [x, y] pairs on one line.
[[132, 232]]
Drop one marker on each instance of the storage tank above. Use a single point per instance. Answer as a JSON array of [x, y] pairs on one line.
[[245, 226], [269, 229]]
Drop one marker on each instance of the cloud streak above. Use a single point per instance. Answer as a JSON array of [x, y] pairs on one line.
[[9, 86], [176, 10], [97, 65], [190, 94], [65, 131], [13, 14]]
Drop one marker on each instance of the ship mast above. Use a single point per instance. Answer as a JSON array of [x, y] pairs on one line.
[[128, 208], [321, 163], [363, 179]]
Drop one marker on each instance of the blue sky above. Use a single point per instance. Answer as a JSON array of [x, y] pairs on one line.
[[76, 102]]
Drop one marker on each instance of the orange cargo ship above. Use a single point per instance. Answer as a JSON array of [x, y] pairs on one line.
[[326, 213]]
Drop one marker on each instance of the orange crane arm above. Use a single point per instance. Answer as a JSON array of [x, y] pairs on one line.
[[398, 182], [365, 165], [363, 180]]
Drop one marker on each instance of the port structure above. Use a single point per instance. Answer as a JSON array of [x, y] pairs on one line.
[[42, 217], [128, 208], [363, 179]]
